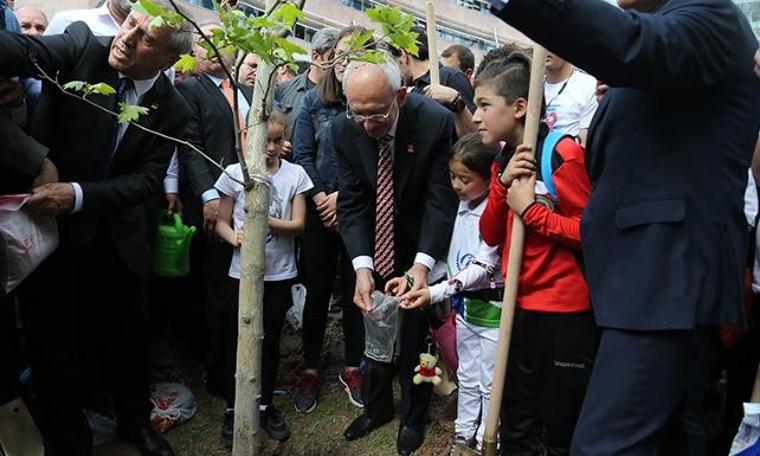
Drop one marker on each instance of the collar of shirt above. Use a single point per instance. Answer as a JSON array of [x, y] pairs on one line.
[[464, 208], [142, 86], [104, 16], [303, 83]]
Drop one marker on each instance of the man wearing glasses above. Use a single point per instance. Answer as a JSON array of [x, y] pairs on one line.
[[395, 209]]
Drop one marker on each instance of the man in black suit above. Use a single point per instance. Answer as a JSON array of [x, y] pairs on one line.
[[396, 209], [94, 286], [211, 129], [664, 237]]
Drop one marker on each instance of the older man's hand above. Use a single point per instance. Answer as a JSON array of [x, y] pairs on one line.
[[52, 199], [757, 63]]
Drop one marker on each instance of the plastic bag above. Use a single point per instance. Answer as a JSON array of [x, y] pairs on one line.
[[381, 328], [103, 427], [747, 440], [25, 240], [295, 313], [173, 404]]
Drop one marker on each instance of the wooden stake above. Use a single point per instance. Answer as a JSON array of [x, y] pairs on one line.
[[517, 241], [247, 436], [432, 38]]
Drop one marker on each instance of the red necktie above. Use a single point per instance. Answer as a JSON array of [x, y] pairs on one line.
[[384, 241]]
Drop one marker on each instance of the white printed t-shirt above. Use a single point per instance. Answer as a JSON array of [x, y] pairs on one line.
[[572, 110], [290, 180]]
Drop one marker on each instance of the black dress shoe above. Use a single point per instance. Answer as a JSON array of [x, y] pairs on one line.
[[409, 440], [362, 426], [147, 440]]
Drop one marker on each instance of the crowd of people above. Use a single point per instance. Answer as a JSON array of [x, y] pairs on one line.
[[639, 222]]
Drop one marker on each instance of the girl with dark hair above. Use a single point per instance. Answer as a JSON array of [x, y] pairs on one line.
[[553, 336], [323, 251]]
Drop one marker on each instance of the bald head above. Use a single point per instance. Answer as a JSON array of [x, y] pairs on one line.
[[33, 21], [374, 95]]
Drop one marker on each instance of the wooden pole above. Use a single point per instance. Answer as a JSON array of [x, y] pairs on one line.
[[432, 38], [517, 241], [247, 435]]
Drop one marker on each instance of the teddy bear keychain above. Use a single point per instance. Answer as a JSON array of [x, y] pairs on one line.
[[427, 371]]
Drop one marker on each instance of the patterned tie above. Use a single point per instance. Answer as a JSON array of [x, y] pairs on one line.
[[384, 241], [104, 161], [228, 94]]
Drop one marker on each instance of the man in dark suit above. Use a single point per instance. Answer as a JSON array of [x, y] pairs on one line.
[[211, 129], [664, 237], [396, 209], [93, 287]]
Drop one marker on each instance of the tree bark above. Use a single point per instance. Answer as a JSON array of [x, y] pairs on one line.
[[247, 437]]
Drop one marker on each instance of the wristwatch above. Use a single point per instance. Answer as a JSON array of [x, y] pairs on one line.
[[458, 104]]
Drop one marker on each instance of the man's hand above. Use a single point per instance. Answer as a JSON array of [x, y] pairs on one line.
[[287, 149], [392, 286], [417, 273], [522, 164], [365, 285], [522, 194], [327, 210], [415, 299], [239, 238], [48, 174], [52, 199], [11, 93], [210, 213], [173, 203], [602, 88], [440, 93]]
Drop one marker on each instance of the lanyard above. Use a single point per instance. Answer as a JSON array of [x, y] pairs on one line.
[[561, 89]]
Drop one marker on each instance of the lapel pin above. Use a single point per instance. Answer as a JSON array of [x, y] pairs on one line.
[[410, 149], [154, 106]]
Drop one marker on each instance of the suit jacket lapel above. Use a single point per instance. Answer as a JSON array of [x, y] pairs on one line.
[[403, 155], [367, 153], [153, 101], [215, 93]]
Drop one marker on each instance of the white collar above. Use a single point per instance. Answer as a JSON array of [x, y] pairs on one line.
[[216, 80], [464, 208], [142, 86]]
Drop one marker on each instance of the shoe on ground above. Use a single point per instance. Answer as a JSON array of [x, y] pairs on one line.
[[362, 426], [274, 425], [228, 428], [307, 393], [351, 379], [409, 440], [147, 440]]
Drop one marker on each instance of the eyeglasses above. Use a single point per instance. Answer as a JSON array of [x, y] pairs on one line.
[[360, 118]]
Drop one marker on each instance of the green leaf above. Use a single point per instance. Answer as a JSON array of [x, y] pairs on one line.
[[288, 48], [130, 113], [157, 22], [150, 8], [186, 63], [75, 86], [286, 15], [372, 56], [102, 88]]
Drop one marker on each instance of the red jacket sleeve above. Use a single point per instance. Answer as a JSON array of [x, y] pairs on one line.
[[573, 189], [493, 222]]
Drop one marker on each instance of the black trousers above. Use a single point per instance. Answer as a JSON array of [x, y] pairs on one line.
[[642, 381], [377, 384], [323, 252], [87, 317], [550, 360], [277, 300], [9, 359]]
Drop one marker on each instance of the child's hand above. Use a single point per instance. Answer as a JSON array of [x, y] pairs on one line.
[[522, 193], [239, 238], [395, 286], [522, 164], [415, 299]]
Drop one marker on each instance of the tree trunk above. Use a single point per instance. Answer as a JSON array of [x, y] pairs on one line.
[[247, 438]]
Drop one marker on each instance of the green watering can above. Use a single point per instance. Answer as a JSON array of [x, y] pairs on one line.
[[171, 249]]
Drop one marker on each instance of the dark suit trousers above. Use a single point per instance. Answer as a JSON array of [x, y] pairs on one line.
[[641, 381], [377, 384], [323, 251], [9, 387]]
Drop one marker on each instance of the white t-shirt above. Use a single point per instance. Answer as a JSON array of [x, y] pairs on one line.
[[290, 180], [571, 110], [750, 211]]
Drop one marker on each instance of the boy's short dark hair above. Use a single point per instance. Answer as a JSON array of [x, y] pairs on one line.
[[509, 77], [501, 52], [464, 55]]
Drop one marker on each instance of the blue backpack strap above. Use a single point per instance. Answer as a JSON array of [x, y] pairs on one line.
[[547, 153]]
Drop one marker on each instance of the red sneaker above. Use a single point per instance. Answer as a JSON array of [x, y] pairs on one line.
[[307, 393], [351, 379]]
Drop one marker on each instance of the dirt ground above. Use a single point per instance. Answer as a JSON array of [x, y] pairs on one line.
[[317, 433]]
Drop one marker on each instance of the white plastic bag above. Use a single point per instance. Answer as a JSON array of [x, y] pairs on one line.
[[173, 404], [103, 427], [747, 440], [295, 313], [381, 328], [25, 240]]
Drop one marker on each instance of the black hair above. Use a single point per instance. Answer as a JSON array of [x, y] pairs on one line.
[[329, 89], [464, 55], [474, 154], [501, 52], [423, 52], [509, 77]]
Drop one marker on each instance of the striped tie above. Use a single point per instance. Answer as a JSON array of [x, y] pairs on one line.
[[384, 243]]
